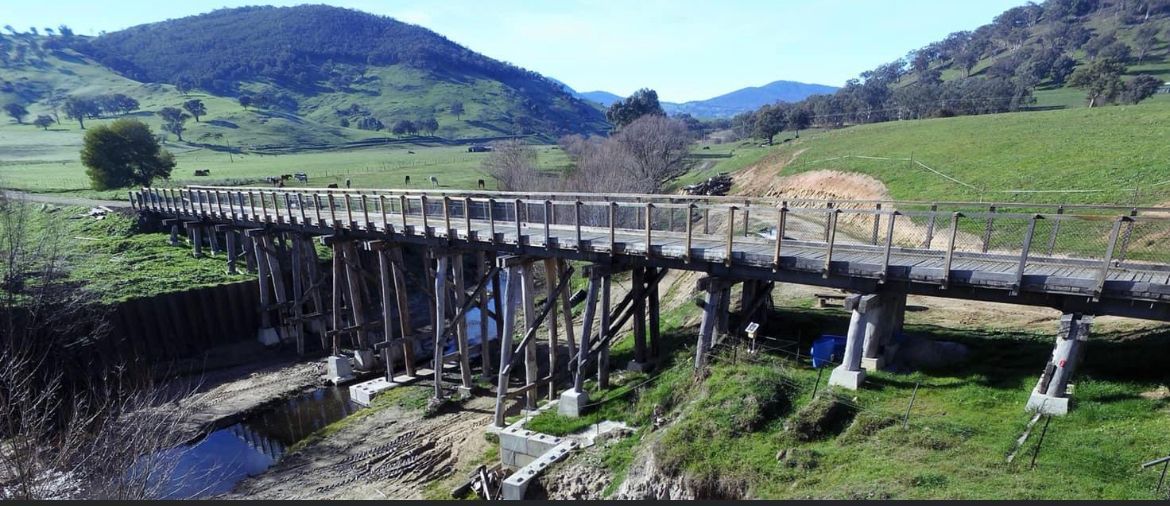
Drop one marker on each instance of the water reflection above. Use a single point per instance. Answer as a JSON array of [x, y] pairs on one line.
[[216, 463]]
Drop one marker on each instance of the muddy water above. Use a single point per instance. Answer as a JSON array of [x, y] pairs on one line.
[[214, 464]]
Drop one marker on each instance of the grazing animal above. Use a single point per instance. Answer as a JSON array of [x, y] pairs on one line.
[[480, 184], [347, 182], [410, 152], [434, 182], [202, 172], [333, 185], [407, 180], [301, 176], [286, 177]]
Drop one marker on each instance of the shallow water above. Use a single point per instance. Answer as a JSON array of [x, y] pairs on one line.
[[216, 463]]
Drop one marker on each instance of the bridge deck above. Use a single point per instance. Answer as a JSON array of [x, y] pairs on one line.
[[1020, 259]]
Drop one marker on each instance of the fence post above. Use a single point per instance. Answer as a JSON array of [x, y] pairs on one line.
[[782, 217], [987, 229], [877, 219], [730, 234], [1055, 228], [930, 225], [1024, 254], [950, 249]]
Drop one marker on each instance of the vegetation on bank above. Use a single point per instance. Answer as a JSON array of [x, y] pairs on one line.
[[751, 426], [112, 259]]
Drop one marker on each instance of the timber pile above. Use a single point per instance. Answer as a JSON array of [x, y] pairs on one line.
[[717, 185]]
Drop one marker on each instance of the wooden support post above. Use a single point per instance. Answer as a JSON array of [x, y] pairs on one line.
[[213, 237], [338, 273], [567, 312], [638, 287], [586, 331], [551, 277], [710, 317], [395, 256], [485, 348], [265, 287], [385, 284], [461, 326], [249, 253], [275, 271], [603, 333], [440, 321], [531, 371], [511, 300], [196, 239], [233, 250], [655, 316], [174, 232], [298, 283]]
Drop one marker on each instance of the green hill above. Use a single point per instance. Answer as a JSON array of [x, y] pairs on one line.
[[316, 74], [1100, 155]]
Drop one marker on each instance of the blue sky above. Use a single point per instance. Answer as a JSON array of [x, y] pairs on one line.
[[684, 49]]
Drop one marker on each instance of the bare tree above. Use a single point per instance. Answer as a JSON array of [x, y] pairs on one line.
[[513, 165], [70, 427]]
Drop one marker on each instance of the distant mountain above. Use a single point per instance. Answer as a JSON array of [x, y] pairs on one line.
[[602, 97], [331, 64], [726, 105], [747, 99]]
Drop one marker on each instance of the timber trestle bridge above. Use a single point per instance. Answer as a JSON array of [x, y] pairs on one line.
[[1081, 260]]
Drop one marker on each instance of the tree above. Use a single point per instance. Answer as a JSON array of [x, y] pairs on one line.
[[1061, 68], [1140, 88], [428, 125], [43, 121], [245, 101], [195, 107], [173, 120], [1144, 40], [1097, 44], [402, 127], [770, 120], [1101, 81], [629, 109], [16, 111], [457, 109], [79, 108], [798, 119], [65, 31], [512, 163], [184, 84], [124, 153], [1117, 51]]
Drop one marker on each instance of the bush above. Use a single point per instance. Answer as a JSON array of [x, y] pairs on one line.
[[825, 416]]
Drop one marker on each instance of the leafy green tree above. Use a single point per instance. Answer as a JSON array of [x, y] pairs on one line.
[[16, 111], [428, 125], [1101, 81], [1140, 88], [402, 127], [174, 120], [124, 153], [245, 101], [770, 120], [79, 108], [195, 107], [1061, 68], [43, 121], [641, 103], [799, 118], [457, 109]]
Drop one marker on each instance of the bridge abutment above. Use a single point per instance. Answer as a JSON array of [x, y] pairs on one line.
[[878, 347], [1051, 395]]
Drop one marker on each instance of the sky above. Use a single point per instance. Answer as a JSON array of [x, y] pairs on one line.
[[684, 49]]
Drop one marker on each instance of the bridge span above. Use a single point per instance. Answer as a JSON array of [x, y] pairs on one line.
[[1082, 260]]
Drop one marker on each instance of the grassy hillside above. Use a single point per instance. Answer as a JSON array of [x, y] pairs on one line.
[[1110, 151]]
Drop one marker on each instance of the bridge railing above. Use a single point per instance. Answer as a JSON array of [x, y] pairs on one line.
[[1019, 241]]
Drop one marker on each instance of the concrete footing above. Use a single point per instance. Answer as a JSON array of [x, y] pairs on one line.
[[363, 360], [844, 378], [572, 403], [1047, 405], [268, 336], [873, 364], [338, 369]]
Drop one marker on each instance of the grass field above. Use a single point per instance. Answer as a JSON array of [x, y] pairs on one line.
[[1110, 151]]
